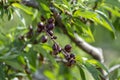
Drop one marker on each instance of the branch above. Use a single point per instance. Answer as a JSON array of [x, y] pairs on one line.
[[96, 53], [115, 67]]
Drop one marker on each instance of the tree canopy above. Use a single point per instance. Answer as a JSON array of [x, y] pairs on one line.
[[54, 39]]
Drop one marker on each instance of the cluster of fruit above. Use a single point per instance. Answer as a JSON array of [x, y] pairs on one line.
[[47, 26]]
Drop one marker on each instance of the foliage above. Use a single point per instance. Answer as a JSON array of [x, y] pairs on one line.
[[22, 58]]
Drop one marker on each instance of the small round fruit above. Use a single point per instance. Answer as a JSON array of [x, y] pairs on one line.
[[50, 20], [67, 57], [55, 47], [72, 56], [54, 37], [68, 48], [40, 25], [39, 30], [50, 32], [72, 61], [50, 26], [44, 39]]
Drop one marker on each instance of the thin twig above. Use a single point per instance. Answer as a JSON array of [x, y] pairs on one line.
[[112, 69]]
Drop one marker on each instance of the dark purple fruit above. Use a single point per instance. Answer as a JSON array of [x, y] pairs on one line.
[[40, 25], [54, 37], [44, 39], [67, 57], [50, 32], [68, 48], [50, 26], [72, 56], [72, 61], [55, 47], [39, 30], [50, 20]]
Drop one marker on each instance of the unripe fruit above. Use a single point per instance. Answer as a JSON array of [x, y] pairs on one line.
[[68, 48], [50, 20], [44, 39]]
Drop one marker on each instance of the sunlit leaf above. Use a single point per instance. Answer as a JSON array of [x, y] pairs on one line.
[[84, 13], [24, 8]]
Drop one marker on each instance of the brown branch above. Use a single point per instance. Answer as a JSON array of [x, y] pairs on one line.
[[96, 53]]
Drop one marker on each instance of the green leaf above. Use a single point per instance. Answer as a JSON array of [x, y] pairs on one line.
[[102, 19], [8, 57], [24, 8], [113, 2], [84, 13], [81, 27], [2, 73], [95, 62], [14, 64], [43, 50], [95, 73], [82, 73], [57, 6], [113, 11], [49, 75], [21, 17], [45, 7]]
